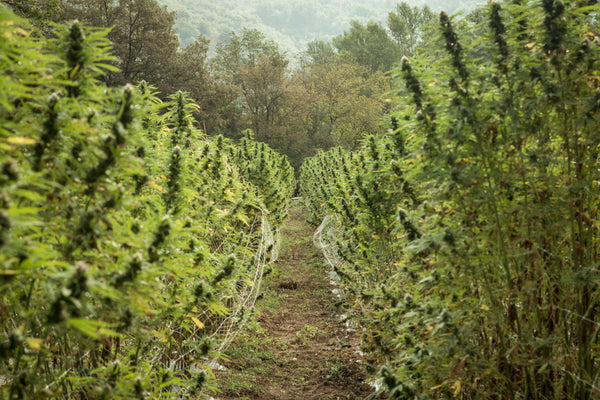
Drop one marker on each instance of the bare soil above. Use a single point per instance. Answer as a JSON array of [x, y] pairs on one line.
[[299, 347]]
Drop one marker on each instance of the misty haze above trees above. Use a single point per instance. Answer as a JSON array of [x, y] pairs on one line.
[[291, 24]]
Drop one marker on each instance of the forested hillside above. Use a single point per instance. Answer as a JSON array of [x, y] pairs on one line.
[[292, 24]]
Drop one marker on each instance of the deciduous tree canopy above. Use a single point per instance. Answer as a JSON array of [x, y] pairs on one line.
[[407, 25], [257, 68], [142, 34], [368, 45]]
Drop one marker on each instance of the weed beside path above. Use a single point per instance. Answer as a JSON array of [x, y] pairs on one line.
[[298, 348]]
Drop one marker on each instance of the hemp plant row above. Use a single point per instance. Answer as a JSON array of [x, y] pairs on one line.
[[475, 268], [127, 236]]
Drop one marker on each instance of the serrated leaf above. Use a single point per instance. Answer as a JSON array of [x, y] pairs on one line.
[[9, 272], [93, 329], [29, 195], [438, 386], [457, 387], [197, 322], [157, 187], [20, 32], [21, 140], [35, 344], [244, 219]]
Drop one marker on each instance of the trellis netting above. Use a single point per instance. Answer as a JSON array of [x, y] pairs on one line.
[[328, 238], [263, 243], [247, 291]]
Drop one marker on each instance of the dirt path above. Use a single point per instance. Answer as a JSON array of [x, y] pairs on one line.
[[298, 349]]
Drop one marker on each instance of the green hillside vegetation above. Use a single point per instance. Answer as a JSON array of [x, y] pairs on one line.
[[448, 164]]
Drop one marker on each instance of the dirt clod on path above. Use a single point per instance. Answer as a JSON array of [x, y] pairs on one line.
[[299, 348]]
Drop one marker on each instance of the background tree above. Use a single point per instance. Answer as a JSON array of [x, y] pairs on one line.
[[39, 12], [333, 103], [408, 25], [319, 52], [257, 68], [345, 102], [142, 34], [368, 45]]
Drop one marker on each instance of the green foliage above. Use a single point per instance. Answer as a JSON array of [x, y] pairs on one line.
[[247, 84], [270, 172], [368, 45], [257, 68], [129, 240], [467, 237], [142, 35], [332, 103], [146, 48], [409, 26], [291, 24], [320, 52], [40, 12]]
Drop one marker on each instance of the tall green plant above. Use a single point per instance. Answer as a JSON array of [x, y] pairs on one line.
[[127, 237], [491, 292], [517, 145]]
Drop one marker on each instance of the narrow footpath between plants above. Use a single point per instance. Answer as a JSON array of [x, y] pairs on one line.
[[298, 348]]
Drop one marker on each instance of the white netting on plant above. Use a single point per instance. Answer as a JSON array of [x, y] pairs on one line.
[[247, 292], [262, 243], [328, 238]]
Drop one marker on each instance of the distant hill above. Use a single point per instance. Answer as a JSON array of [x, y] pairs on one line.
[[292, 24]]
